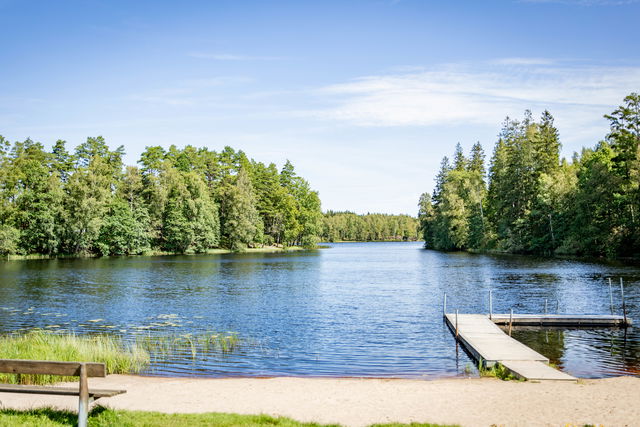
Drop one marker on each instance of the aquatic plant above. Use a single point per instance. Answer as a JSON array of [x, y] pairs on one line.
[[498, 370], [172, 345], [120, 357], [468, 369]]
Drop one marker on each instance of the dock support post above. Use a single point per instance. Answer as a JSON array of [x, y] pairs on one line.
[[490, 304], [557, 306], [545, 306], [444, 306], [510, 321], [624, 307], [610, 296], [456, 324]]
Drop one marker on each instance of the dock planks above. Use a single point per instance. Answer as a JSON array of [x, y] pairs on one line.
[[487, 342], [576, 320]]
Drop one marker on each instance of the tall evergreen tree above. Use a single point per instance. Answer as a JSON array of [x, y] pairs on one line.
[[536, 203], [476, 198]]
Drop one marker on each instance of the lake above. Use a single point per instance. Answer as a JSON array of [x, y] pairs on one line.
[[350, 310]]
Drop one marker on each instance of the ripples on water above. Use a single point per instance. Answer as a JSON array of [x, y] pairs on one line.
[[355, 309]]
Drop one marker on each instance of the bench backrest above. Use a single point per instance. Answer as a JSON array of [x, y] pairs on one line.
[[46, 367]]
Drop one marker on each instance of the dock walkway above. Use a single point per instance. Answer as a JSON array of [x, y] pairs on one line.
[[575, 320], [487, 342]]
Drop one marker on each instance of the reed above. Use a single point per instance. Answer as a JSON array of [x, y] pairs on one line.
[[118, 356], [195, 345]]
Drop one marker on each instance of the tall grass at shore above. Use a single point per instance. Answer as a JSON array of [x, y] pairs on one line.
[[118, 356], [165, 346]]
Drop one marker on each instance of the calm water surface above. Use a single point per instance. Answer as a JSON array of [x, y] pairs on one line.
[[354, 309]]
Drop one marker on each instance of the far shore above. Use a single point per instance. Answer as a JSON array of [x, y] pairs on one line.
[[214, 251], [360, 402]]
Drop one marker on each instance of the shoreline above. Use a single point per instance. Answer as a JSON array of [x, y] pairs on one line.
[[323, 245], [580, 258], [214, 251], [360, 402]]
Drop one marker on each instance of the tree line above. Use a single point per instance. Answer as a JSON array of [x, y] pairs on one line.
[[348, 226], [175, 200], [530, 201]]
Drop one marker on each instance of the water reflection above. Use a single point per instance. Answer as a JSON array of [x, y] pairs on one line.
[[355, 309]]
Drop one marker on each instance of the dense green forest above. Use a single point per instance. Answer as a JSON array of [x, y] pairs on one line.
[[530, 201], [175, 200], [348, 226]]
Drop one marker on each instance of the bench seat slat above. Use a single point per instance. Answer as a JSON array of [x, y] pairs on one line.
[[60, 391], [47, 367]]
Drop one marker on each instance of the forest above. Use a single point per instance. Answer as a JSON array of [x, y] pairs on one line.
[[86, 202], [532, 202], [348, 226]]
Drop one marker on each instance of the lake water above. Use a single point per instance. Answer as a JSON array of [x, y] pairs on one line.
[[353, 309]]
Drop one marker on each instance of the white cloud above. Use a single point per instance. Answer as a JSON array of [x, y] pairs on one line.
[[522, 61], [483, 93]]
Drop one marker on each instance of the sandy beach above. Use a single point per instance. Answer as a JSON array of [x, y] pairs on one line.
[[361, 402]]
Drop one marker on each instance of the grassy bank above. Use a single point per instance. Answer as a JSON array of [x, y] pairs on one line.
[[119, 358], [221, 251], [215, 251], [102, 417]]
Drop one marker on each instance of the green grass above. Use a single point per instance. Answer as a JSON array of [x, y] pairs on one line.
[[102, 417], [119, 358], [496, 371], [413, 425], [163, 346]]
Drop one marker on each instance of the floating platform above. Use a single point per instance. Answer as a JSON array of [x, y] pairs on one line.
[[488, 343], [574, 320]]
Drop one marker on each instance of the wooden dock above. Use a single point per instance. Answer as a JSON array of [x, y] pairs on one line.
[[488, 343], [574, 320]]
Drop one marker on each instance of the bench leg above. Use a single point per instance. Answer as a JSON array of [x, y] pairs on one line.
[[83, 407]]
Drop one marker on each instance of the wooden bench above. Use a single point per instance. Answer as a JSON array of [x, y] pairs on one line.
[[84, 370]]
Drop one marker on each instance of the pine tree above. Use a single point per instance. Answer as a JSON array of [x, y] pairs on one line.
[[459, 160], [477, 196]]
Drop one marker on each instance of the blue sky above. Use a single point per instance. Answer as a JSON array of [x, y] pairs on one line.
[[364, 97]]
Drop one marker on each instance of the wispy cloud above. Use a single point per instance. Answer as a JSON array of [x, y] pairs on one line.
[[484, 93], [232, 57], [477, 93], [522, 61], [192, 92], [170, 97], [217, 81]]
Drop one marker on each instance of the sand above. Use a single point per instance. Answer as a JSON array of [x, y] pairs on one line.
[[360, 402]]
